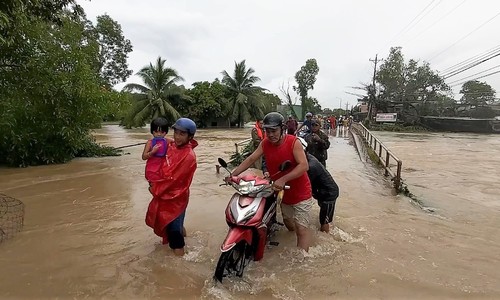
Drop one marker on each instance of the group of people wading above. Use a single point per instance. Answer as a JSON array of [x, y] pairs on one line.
[[171, 164]]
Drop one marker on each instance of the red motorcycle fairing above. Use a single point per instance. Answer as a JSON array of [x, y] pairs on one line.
[[240, 205], [235, 235], [261, 244]]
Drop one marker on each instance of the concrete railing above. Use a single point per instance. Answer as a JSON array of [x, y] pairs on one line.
[[388, 159]]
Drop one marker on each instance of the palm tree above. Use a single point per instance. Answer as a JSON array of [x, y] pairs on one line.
[[156, 96], [244, 94]]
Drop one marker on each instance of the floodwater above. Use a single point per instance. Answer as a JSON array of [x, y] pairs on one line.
[[84, 234]]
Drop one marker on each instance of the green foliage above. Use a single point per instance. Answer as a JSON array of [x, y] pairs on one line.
[[269, 103], [116, 106], [312, 105], [477, 93], [238, 157], [155, 97], [208, 101], [480, 112], [91, 149], [396, 128], [114, 49], [16, 14], [243, 93], [306, 78], [51, 94], [410, 83]]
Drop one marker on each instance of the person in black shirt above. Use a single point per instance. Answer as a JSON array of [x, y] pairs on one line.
[[324, 189], [318, 142]]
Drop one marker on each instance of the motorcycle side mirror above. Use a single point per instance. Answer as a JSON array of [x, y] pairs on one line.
[[285, 165], [223, 164]]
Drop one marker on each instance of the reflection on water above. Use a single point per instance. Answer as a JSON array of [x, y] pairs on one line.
[[85, 237]]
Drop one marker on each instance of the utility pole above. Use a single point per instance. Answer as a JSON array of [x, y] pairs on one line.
[[370, 101]]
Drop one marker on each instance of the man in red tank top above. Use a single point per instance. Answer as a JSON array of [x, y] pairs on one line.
[[276, 148]]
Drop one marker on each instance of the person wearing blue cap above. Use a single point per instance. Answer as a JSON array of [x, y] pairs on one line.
[[167, 209]]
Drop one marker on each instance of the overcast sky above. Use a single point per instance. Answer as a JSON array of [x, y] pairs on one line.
[[204, 37]]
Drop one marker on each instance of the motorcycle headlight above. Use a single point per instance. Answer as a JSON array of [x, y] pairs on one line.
[[248, 187]]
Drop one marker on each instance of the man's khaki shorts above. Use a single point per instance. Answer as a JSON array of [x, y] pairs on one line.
[[298, 212]]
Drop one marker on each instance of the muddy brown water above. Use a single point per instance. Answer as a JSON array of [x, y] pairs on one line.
[[84, 234]]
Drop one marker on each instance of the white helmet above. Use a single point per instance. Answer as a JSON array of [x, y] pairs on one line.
[[303, 142]]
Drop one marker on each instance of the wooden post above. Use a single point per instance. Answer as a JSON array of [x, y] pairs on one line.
[[397, 181], [387, 163]]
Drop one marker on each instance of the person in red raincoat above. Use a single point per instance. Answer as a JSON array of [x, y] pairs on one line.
[[167, 209]]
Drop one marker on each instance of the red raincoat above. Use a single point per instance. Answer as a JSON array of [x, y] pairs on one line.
[[171, 193]]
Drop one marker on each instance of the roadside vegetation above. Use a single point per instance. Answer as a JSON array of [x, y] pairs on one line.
[[58, 70]]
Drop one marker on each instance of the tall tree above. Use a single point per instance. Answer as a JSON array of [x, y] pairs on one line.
[[51, 87], [243, 98], [114, 50], [475, 93], [409, 83], [155, 96], [208, 101], [306, 78]]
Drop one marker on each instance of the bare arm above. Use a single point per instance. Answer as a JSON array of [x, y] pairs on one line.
[[249, 161], [298, 129], [145, 152], [301, 167]]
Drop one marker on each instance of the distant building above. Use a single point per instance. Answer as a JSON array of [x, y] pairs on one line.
[[286, 111]]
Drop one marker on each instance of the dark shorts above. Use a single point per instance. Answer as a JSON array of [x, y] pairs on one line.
[[327, 208], [174, 232]]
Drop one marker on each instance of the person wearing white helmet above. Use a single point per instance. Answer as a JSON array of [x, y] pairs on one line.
[[324, 189], [307, 123]]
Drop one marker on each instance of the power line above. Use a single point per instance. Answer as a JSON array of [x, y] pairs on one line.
[[465, 68], [437, 21], [423, 16], [492, 73], [476, 58], [474, 74], [461, 39], [402, 30]]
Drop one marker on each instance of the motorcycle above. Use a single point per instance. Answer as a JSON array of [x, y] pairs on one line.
[[303, 134], [251, 217]]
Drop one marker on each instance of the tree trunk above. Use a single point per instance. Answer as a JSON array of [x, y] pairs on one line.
[[303, 104]]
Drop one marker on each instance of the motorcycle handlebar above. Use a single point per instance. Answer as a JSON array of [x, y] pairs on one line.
[[286, 187]]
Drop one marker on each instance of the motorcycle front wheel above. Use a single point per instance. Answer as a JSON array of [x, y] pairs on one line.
[[233, 261]]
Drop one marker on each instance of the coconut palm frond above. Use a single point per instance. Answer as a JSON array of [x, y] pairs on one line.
[[135, 87], [242, 83], [170, 112], [158, 91], [241, 99], [142, 115]]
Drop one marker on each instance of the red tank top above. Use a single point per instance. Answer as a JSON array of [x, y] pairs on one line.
[[300, 187]]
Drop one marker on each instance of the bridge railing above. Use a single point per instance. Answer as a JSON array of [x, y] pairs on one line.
[[242, 144], [391, 163]]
